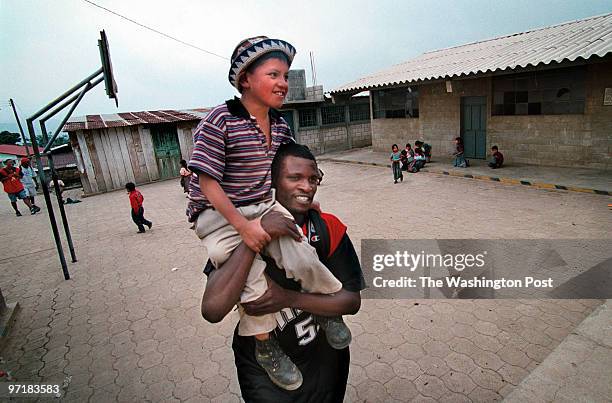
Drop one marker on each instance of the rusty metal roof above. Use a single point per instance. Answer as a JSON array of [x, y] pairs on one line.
[[568, 41], [90, 122]]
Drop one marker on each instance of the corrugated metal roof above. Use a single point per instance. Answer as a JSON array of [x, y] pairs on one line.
[[14, 149], [568, 41], [90, 122]]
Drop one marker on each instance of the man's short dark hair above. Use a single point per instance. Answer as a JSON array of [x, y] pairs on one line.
[[408, 145], [130, 186], [495, 148], [289, 149]]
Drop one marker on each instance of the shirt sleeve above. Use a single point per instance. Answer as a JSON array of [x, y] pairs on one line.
[[208, 150], [344, 264]]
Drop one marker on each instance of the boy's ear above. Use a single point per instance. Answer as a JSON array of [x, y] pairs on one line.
[[242, 80]]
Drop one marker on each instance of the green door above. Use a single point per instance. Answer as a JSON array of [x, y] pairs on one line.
[[167, 150], [474, 126]]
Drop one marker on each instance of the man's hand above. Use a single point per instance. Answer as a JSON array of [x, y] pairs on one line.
[[274, 299], [277, 225], [254, 236]]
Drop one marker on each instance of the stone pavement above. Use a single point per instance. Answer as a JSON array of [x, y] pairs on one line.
[[577, 179], [127, 326]]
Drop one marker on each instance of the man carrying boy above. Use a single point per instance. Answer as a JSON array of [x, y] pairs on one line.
[[233, 151], [11, 181], [136, 199], [294, 173], [497, 158]]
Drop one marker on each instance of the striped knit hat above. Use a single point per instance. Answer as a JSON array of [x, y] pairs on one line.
[[251, 49]]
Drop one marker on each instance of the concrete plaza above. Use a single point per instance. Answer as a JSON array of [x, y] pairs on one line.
[[127, 326]]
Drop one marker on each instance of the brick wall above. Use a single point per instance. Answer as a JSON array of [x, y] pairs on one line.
[[334, 138], [558, 140]]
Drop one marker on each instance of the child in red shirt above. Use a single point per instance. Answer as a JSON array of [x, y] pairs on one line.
[[136, 199]]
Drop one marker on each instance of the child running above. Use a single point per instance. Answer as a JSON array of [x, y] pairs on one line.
[[233, 151], [136, 199]]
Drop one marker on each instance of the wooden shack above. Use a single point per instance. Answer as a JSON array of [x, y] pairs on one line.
[[139, 147]]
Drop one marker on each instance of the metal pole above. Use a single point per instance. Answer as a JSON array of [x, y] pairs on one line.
[[59, 108], [60, 199], [88, 87], [65, 94], [43, 182], [25, 143]]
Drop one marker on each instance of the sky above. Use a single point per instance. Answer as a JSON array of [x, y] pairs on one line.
[[46, 47]]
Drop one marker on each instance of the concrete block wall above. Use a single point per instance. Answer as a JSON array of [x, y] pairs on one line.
[[334, 138], [386, 132], [583, 140], [361, 135]]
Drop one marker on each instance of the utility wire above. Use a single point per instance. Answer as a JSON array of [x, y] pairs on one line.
[[155, 30]]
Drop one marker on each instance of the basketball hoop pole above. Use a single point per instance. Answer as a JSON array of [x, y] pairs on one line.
[[105, 74]]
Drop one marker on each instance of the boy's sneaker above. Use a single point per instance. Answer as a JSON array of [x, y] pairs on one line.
[[281, 370], [150, 224], [34, 210], [18, 214], [337, 333]]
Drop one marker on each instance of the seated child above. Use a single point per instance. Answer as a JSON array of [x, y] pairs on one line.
[[427, 151], [459, 161], [407, 156], [497, 158]]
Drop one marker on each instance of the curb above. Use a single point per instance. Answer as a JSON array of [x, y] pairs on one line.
[[511, 181]]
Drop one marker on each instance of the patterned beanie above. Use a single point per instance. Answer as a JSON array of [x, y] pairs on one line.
[[251, 49]]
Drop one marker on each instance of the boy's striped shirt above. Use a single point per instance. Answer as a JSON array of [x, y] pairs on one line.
[[231, 148]]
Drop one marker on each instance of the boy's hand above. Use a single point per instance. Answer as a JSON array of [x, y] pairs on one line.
[[254, 236], [277, 225]]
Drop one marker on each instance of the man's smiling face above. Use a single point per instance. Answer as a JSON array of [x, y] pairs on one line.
[[297, 184]]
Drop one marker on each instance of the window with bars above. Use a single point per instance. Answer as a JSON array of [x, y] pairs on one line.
[[307, 117], [332, 114], [359, 112], [550, 92], [396, 103]]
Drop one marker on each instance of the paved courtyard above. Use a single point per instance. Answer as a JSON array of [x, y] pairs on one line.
[[127, 326]]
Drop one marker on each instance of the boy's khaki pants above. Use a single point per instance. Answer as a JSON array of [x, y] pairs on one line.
[[299, 260]]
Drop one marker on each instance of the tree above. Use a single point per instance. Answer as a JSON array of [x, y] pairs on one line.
[[9, 138], [61, 139]]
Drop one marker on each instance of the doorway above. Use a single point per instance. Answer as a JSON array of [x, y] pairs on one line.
[[474, 126]]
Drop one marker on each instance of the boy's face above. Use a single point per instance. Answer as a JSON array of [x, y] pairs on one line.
[[394, 149], [297, 184], [268, 83]]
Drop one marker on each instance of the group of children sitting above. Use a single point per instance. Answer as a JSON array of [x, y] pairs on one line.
[[409, 159], [412, 160], [496, 161]]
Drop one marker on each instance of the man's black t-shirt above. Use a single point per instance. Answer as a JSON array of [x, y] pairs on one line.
[[324, 369]]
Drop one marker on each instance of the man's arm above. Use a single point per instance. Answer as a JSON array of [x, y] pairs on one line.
[[276, 298], [225, 284], [345, 302]]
